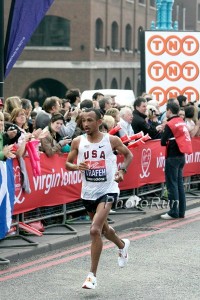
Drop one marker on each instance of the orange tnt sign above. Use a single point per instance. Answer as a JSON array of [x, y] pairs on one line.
[[172, 68]]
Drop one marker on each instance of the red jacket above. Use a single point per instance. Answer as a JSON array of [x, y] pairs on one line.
[[181, 134]]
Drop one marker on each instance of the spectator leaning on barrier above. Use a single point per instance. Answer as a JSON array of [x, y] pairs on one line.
[[18, 117], [53, 142], [177, 140], [139, 122], [100, 178]]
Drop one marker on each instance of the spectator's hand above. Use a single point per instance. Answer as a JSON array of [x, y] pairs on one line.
[[74, 114], [27, 137], [7, 152], [39, 134], [67, 114], [160, 127], [65, 142]]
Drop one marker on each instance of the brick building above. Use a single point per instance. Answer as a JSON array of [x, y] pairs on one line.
[[188, 14], [88, 44]]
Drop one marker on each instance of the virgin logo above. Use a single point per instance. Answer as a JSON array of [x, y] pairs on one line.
[[19, 198], [145, 162]]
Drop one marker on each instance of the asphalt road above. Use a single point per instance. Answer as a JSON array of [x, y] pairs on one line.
[[163, 264]]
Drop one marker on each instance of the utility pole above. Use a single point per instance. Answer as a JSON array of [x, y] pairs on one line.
[[1, 48]]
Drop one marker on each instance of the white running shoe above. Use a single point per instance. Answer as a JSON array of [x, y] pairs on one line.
[[166, 217], [90, 282], [123, 254]]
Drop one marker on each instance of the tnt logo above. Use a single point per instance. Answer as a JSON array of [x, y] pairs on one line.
[[173, 71], [173, 45], [162, 95]]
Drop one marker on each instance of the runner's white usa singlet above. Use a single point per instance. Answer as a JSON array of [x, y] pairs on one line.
[[99, 179]]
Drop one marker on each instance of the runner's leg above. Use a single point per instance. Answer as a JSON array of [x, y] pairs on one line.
[[98, 221], [111, 235]]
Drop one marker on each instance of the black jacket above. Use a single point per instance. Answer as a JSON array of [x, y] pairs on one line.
[[139, 124]]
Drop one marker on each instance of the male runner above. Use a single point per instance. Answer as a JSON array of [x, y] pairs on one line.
[[100, 178]]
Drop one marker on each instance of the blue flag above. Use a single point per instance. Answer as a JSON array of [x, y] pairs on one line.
[[25, 16], [7, 196]]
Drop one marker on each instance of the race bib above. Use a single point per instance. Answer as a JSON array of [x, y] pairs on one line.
[[97, 171]]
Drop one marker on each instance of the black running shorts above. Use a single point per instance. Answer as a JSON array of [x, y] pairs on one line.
[[91, 205]]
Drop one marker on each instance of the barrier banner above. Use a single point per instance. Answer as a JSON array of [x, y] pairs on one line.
[[57, 186], [54, 186]]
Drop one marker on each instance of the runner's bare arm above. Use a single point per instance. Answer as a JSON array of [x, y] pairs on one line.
[[72, 155]]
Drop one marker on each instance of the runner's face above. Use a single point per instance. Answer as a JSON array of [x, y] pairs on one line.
[[90, 123]]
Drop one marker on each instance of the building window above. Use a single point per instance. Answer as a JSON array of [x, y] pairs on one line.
[[98, 85], [152, 3], [99, 34], [127, 84], [52, 31], [114, 84], [141, 1], [199, 12], [114, 43], [128, 44]]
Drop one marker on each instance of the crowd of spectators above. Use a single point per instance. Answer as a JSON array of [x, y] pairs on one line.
[[58, 121]]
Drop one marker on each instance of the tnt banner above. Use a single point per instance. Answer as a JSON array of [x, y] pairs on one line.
[[172, 64]]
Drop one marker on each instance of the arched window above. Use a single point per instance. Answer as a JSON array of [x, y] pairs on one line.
[[99, 34], [52, 31], [114, 84], [98, 85], [127, 84], [128, 43], [43, 88], [114, 39]]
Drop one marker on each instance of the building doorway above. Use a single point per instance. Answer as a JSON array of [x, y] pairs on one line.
[[43, 88]]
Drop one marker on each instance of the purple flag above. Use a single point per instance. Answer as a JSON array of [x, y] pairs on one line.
[[25, 16]]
